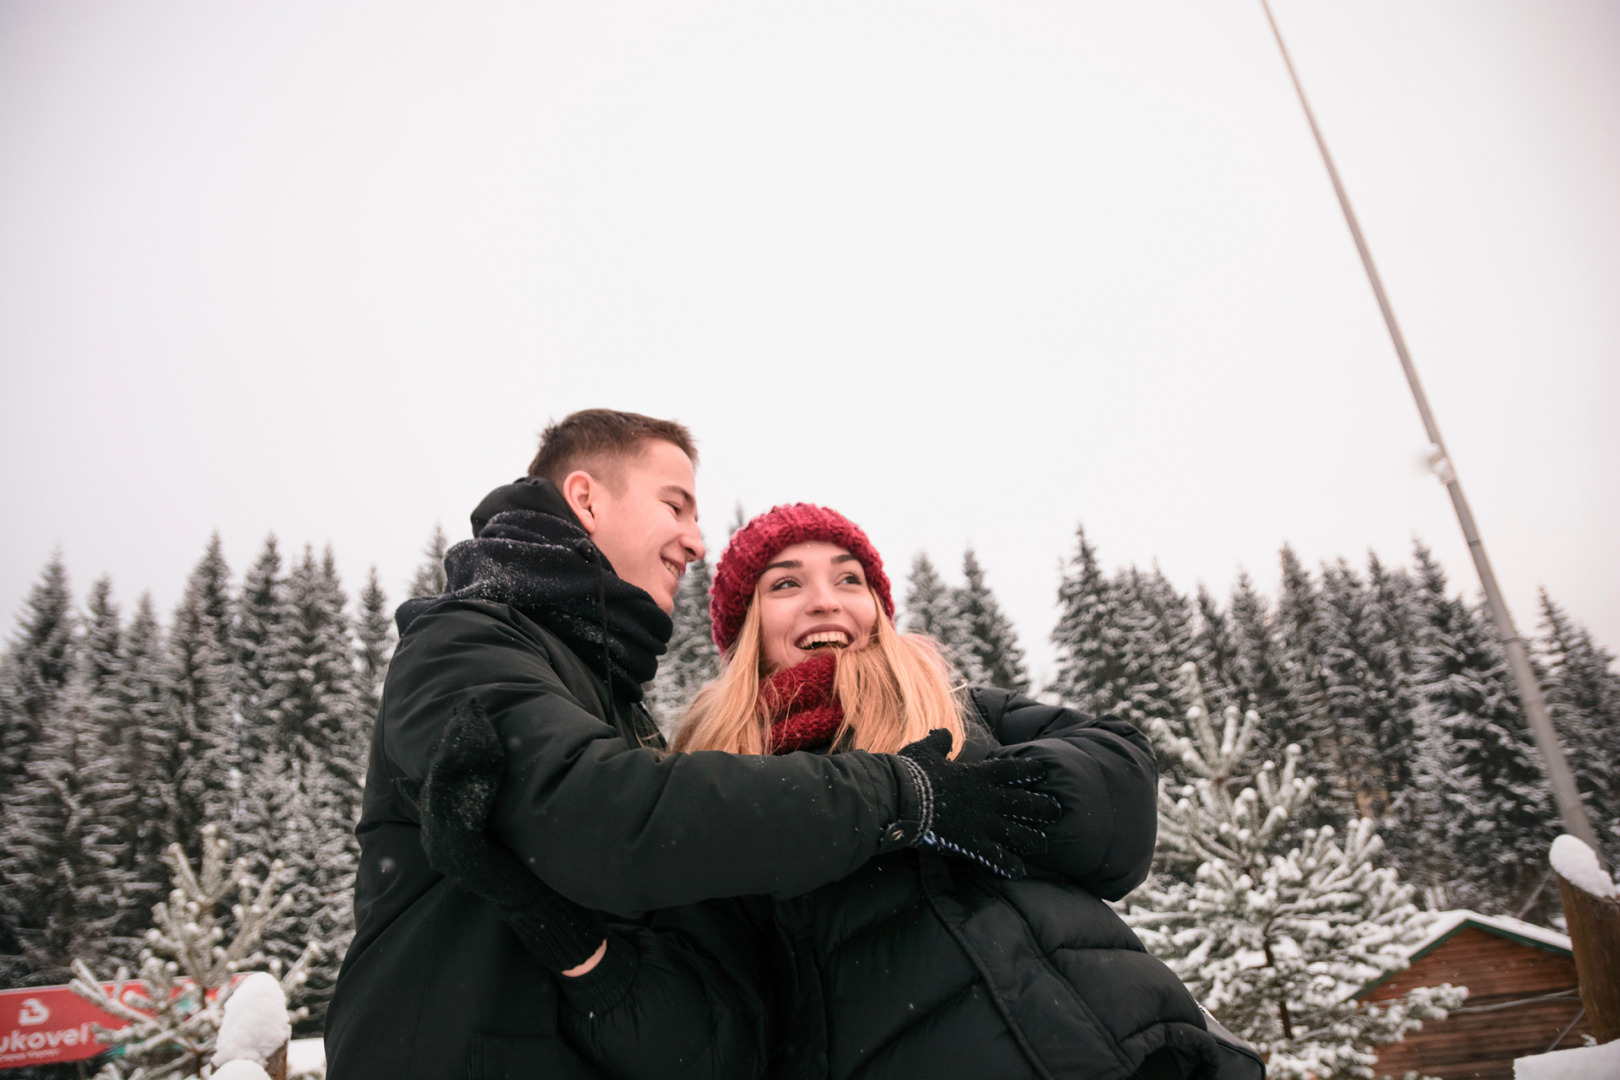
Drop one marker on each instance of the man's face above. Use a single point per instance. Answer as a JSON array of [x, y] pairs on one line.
[[646, 524]]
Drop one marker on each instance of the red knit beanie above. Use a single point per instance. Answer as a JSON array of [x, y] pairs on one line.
[[753, 546]]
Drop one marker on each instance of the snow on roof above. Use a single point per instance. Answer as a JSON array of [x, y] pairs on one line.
[[1577, 865], [1447, 923], [1580, 1063]]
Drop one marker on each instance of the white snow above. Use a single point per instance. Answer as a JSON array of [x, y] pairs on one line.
[[241, 1070], [255, 1024], [1581, 1063], [1447, 921], [306, 1058], [1577, 865]]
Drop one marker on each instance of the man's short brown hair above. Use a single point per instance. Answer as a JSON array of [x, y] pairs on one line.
[[600, 440]]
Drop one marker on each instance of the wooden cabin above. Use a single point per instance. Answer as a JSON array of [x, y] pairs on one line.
[[1523, 998]]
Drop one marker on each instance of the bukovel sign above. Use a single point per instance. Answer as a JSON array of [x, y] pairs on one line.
[[41, 1025]]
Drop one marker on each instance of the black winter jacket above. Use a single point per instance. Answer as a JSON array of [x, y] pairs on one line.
[[434, 985], [919, 966]]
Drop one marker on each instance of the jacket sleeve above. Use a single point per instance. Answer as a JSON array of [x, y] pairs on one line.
[[1104, 773], [684, 996], [627, 829]]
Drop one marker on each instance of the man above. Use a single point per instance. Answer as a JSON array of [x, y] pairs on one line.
[[553, 617]]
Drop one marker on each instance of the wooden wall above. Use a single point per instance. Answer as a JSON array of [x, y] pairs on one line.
[[1481, 1045]]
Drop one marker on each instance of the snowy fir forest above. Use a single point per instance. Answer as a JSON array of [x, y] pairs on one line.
[[1338, 756]]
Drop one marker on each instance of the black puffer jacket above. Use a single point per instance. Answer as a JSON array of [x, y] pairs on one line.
[[918, 966], [435, 986]]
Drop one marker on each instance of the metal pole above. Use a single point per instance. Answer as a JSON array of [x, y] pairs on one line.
[[1535, 708]]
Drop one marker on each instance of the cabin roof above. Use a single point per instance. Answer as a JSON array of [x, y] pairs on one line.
[[1448, 923]]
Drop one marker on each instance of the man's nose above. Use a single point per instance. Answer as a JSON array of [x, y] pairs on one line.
[[693, 543]]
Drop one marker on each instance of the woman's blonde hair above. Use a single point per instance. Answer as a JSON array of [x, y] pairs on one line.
[[894, 690]]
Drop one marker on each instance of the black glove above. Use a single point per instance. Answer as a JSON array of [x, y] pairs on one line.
[[454, 803], [981, 811]]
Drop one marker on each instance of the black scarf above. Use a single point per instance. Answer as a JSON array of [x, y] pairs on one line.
[[528, 550]]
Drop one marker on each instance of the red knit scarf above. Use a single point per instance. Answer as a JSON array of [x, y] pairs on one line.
[[800, 701]]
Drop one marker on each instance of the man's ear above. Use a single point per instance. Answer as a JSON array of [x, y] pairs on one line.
[[583, 494]]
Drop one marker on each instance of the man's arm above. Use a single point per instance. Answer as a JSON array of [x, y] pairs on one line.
[[626, 829]]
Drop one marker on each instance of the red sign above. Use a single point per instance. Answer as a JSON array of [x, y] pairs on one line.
[[44, 1024]]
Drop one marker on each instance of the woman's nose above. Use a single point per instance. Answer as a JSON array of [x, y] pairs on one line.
[[823, 598]]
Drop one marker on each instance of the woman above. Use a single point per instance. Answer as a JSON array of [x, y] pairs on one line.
[[916, 965]]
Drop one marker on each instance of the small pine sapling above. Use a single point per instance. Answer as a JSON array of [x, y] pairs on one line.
[[188, 966], [1277, 931]]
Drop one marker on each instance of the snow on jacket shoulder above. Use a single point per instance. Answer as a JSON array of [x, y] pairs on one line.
[[434, 984]]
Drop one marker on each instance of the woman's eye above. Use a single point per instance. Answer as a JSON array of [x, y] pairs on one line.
[[782, 583], [851, 579]]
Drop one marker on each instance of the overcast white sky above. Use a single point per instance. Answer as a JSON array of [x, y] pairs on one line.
[[967, 272]]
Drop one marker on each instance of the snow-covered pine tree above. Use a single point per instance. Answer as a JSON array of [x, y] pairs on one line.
[[1395, 620], [1157, 625], [991, 644], [1215, 650], [1394, 628], [429, 578], [101, 650], [1088, 639], [1422, 807], [932, 609], [152, 750], [115, 800], [202, 677], [258, 617], [1583, 695], [1361, 693], [375, 629], [1257, 668], [319, 724], [692, 659], [928, 600], [1329, 736], [1276, 938], [288, 823], [1488, 801], [315, 704], [170, 1034], [61, 857], [36, 665], [1298, 626]]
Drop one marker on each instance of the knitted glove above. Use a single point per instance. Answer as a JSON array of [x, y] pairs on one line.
[[980, 811], [454, 803]]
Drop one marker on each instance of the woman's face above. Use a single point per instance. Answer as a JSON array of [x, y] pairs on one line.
[[813, 596]]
